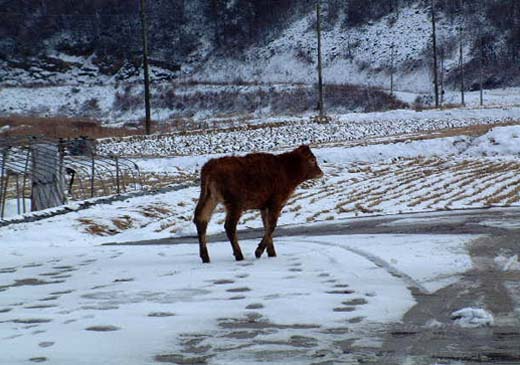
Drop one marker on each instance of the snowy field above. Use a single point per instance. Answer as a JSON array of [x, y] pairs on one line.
[[87, 304], [457, 172], [64, 297], [281, 133]]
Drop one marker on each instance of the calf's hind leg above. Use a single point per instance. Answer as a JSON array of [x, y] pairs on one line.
[[232, 217], [270, 219], [203, 212], [263, 244]]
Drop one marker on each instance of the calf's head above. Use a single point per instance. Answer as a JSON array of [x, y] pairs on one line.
[[311, 170]]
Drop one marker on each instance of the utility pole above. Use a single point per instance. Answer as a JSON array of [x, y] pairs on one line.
[[392, 55], [434, 40], [146, 69], [395, 6], [461, 55], [481, 70], [320, 79], [442, 76]]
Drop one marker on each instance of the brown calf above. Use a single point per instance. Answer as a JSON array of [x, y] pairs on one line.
[[256, 181]]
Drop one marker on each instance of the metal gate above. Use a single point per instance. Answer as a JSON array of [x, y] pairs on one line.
[[38, 173]]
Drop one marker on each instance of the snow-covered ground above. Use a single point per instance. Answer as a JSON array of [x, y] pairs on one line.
[[89, 304], [284, 133], [387, 178], [66, 298]]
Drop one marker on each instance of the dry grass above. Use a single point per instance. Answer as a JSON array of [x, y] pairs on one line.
[[123, 223], [155, 211], [61, 127], [96, 229], [431, 183], [363, 209]]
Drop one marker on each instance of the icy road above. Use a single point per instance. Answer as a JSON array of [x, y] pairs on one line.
[[430, 288]]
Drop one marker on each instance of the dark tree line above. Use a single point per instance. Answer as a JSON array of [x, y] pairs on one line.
[[109, 29]]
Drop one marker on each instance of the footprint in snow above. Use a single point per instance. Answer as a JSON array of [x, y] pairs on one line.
[[31, 320], [341, 286], [223, 282], [237, 297], [87, 262], [238, 290], [40, 306], [7, 270], [38, 359], [161, 314], [344, 309], [255, 306], [340, 291], [108, 328], [330, 281], [61, 292], [33, 264], [48, 299], [356, 320], [357, 301]]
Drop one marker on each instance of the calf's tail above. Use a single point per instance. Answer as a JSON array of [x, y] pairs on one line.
[[205, 194]]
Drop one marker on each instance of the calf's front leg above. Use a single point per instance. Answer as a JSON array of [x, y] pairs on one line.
[[263, 244], [270, 219]]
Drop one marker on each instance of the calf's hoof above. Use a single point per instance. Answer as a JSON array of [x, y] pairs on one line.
[[205, 259], [258, 253], [239, 257], [271, 253]]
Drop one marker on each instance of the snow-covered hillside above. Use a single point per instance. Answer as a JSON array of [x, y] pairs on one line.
[[362, 55], [256, 77]]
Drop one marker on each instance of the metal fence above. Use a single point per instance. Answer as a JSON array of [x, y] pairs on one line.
[[38, 173]]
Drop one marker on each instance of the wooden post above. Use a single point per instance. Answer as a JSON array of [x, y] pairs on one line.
[[25, 175], [461, 55], [481, 71], [320, 78], [118, 187], [92, 173], [3, 176], [442, 77], [434, 41], [392, 55], [146, 69], [18, 210]]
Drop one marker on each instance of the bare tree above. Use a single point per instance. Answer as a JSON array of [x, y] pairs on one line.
[[461, 53], [320, 78], [442, 76], [481, 70], [146, 69], [395, 8], [481, 56], [434, 45], [392, 56]]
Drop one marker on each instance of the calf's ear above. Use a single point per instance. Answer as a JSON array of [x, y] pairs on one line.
[[305, 149]]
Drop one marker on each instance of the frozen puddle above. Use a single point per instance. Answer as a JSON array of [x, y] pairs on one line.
[[159, 304]]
